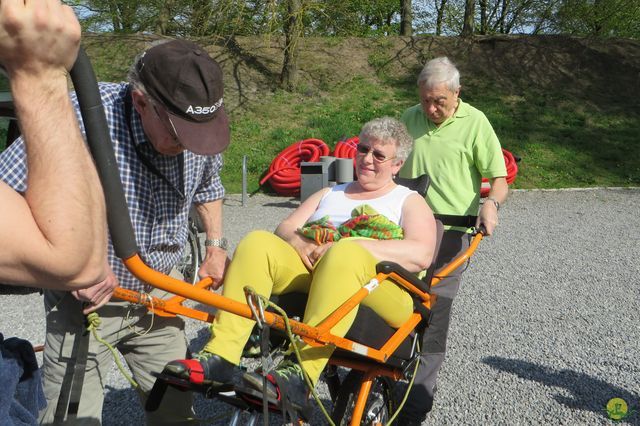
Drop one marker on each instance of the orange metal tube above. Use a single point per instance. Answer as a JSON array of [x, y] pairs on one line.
[[203, 283], [455, 263], [180, 288], [162, 307], [361, 401]]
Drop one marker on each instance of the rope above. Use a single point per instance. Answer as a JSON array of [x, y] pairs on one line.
[[284, 171], [93, 319], [406, 394], [249, 290]]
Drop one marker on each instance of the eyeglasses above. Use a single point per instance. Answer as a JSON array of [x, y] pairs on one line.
[[378, 157], [164, 118]]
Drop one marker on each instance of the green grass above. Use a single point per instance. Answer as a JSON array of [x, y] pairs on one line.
[[566, 142]]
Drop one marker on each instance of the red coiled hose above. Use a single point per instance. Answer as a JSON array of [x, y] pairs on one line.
[[346, 148], [284, 171], [512, 170]]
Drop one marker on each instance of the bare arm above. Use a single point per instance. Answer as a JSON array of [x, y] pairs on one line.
[[215, 260], [488, 216], [54, 236], [305, 247], [415, 251]]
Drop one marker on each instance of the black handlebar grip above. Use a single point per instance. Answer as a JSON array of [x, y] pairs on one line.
[[387, 267], [99, 140]]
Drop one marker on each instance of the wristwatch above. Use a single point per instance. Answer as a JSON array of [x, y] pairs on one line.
[[495, 202], [217, 242]]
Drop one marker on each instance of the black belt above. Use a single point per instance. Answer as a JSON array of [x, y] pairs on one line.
[[453, 220]]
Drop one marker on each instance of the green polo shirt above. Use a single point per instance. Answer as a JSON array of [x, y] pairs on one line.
[[455, 155]]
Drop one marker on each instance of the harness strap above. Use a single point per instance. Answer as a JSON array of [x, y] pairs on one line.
[[454, 220], [71, 388]]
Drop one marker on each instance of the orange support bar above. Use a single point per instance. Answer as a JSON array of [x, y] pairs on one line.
[[458, 261]]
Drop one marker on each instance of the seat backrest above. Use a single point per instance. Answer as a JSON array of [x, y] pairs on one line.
[[419, 184], [432, 268]]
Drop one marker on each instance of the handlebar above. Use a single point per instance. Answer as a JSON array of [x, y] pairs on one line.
[[99, 141]]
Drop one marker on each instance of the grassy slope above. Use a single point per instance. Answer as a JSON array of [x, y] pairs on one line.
[[568, 107]]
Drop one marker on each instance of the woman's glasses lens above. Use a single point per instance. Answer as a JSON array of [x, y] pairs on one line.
[[364, 150]]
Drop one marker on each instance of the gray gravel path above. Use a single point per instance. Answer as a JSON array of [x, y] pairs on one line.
[[546, 328]]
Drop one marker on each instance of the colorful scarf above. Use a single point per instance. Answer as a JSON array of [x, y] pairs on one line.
[[365, 222]]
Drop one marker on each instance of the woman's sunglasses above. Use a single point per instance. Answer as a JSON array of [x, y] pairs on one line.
[[378, 157]]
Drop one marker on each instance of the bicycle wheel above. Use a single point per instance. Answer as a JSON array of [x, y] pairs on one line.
[[191, 257], [379, 406]]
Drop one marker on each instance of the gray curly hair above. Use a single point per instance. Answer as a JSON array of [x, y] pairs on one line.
[[440, 70], [389, 130]]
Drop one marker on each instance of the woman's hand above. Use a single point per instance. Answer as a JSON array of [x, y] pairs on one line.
[[318, 252], [305, 249]]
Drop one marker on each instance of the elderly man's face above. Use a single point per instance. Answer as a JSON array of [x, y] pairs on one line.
[[157, 125], [438, 102]]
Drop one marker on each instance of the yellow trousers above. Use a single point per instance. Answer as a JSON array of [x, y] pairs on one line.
[[271, 266]]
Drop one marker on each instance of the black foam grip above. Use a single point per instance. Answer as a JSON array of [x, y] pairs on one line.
[[99, 140], [387, 267]]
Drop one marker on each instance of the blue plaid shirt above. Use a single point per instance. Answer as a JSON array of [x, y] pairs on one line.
[[159, 213]]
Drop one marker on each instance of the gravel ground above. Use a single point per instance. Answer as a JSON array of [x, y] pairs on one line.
[[545, 330]]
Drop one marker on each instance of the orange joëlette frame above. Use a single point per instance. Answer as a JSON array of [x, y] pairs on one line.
[[315, 336]]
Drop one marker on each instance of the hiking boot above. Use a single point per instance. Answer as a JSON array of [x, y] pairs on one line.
[[285, 384], [205, 368]]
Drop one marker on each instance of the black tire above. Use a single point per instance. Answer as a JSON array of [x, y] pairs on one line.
[[191, 257], [380, 405]]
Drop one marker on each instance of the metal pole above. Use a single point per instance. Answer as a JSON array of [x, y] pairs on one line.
[[244, 180]]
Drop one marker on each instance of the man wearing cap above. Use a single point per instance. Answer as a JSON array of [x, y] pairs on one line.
[[168, 127]]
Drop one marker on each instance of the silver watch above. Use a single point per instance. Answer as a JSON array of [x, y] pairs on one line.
[[495, 202], [217, 242]]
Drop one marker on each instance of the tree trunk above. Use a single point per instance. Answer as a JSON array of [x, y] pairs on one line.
[[292, 31], [483, 17], [406, 18], [200, 17], [469, 18], [439, 15], [164, 15], [503, 15], [115, 17]]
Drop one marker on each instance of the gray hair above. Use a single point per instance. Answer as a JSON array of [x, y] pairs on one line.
[[133, 75], [389, 130], [440, 70]]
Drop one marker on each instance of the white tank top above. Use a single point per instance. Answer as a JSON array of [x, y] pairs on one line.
[[338, 207]]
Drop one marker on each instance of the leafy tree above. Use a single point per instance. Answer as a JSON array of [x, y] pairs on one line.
[[602, 18]]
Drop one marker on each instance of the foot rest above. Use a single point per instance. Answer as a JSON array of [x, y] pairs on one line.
[[254, 399], [163, 381]]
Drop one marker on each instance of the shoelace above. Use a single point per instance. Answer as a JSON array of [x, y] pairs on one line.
[[202, 356], [288, 369]]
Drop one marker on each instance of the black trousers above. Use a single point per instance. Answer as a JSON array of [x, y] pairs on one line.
[[434, 342]]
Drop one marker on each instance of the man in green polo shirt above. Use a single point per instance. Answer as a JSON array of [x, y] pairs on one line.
[[456, 146]]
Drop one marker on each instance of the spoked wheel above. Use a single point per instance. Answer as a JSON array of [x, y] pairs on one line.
[[191, 258], [378, 409]]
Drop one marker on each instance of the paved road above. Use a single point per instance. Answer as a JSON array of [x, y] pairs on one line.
[[546, 328]]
